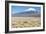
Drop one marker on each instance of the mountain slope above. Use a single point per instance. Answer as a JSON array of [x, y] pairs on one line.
[[27, 14]]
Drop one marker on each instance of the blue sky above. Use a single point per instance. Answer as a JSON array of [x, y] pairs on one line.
[[18, 9]]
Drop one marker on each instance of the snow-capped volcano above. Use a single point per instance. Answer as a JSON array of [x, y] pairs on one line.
[[30, 9], [30, 12]]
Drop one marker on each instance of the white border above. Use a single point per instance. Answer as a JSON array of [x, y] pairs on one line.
[[33, 28]]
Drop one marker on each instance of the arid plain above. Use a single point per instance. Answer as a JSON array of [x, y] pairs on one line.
[[23, 22]]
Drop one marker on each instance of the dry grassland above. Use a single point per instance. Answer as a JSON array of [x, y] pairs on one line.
[[22, 22]]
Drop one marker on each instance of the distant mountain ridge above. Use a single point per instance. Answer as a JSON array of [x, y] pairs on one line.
[[27, 14]]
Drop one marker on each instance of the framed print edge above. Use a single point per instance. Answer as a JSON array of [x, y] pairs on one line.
[[7, 16]]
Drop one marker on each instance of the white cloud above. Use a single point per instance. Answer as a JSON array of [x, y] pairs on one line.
[[30, 9]]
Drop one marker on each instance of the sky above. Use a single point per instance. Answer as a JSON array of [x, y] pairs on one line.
[[18, 9]]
